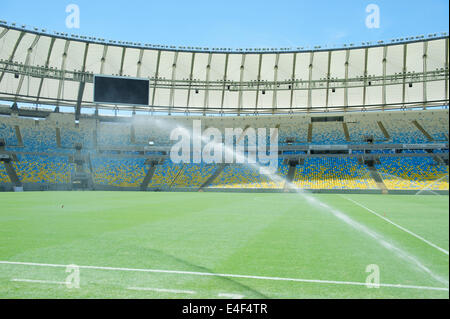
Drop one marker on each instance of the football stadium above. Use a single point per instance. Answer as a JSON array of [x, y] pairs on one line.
[[133, 170]]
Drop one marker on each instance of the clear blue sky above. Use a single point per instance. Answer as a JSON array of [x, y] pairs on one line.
[[235, 23]]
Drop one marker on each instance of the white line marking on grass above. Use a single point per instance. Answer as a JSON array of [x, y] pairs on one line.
[[163, 290], [426, 188], [231, 296], [193, 273], [39, 281], [398, 226]]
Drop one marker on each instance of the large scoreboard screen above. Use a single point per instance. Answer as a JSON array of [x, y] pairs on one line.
[[120, 90]]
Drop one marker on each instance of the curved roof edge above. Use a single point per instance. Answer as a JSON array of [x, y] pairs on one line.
[[138, 45]]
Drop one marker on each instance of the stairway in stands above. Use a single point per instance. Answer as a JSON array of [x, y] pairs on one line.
[[291, 172], [7, 160], [212, 178], [289, 177], [346, 133], [310, 130], [180, 171], [423, 131], [377, 178], [81, 175]]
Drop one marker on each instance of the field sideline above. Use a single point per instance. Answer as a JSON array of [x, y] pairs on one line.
[[220, 245]]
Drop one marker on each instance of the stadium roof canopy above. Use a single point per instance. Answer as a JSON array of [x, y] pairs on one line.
[[58, 69]]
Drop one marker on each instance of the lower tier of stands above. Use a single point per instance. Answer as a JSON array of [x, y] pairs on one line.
[[333, 173], [413, 173], [118, 172], [241, 176], [397, 173], [39, 169]]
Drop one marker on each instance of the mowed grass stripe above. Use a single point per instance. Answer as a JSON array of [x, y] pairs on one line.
[[425, 215], [276, 235], [398, 226]]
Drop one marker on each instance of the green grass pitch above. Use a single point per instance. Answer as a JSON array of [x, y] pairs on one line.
[[220, 245]]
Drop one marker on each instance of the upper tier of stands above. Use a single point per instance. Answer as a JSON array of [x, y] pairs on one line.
[[38, 135]]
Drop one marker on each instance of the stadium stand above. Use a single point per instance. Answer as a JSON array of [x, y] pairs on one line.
[[45, 158], [328, 133], [351, 118], [118, 172], [7, 132], [240, 176], [413, 173], [164, 175], [333, 173], [40, 169]]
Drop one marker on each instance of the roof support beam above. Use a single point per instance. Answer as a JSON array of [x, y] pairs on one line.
[[347, 56], [208, 73], [158, 59], [224, 83], [82, 85], [11, 57], [275, 81], [122, 61], [327, 97], [291, 101], [103, 59], [311, 61], [241, 80], [258, 83], [86, 50], [138, 70], [191, 75], [47, 62], [5, 31], [405, 52], [366, 54], [27, 62], [139, 63], [63, 68], [172, 87], [424, 84], [383, 91]]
